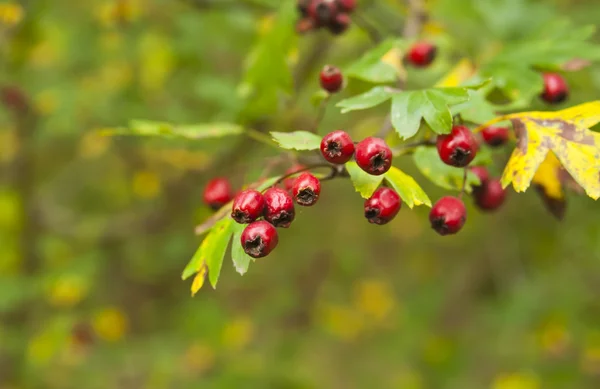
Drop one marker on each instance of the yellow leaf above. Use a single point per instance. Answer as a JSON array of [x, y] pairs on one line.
[[199, 279], [566, 133], [394, 59], [461, 72], [548, 181]]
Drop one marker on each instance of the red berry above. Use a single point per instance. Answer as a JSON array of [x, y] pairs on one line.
[[495, 136], [382, 206], [489, 196], [306, 190], [373, 156], [422, 54], [457, 148], [259, 239], [279, 207], [339, 24], [331, 79], [248, 206], [346, 5], [217, 193], [448, 215], [14, 98], [289, 182], [556, 89], [322, 12], [482, 173], [337, 147]]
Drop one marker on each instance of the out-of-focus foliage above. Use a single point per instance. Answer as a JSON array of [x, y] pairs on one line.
[[94, 230]]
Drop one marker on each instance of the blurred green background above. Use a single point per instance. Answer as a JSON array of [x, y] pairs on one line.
[[95, 231]]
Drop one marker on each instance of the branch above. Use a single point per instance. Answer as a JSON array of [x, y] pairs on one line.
[[417, 17]]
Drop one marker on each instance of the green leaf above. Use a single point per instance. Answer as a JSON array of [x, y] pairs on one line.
[[211, 251], [167, 130], [406, 186], [448, 177], [431, 105], [318, 97], [370, 67], [364, 183], [477, 110], [241, 260], [298, 140], [369, 99]]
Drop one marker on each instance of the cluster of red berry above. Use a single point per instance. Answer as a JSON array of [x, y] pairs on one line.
[[331, 14]]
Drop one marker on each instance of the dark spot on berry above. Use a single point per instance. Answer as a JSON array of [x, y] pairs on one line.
[[460, 156], [559, 98], [241, 217], [432, 54], [254, 247], [378, 161], [497, 141], [283, 219], [334, 149], [439, 224], [306, 197], [372, 215]]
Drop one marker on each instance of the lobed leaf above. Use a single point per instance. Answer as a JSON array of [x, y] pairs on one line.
[[547, 181], [364, 183], [298, 140], [406, 186], [374, 67], [369, 99]]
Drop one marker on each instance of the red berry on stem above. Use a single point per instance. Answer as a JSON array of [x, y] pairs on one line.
[[337, 147], [259, 239], [422, 54], [248, 206], [289, 182], [346, 5], [306, 190], [322, 11], [279, 207], [217, 192], [490, 196], [373, 156], [448, 215], [331, 79], [482, 173], [339, 24], [495, 136], [457, 148], [382, 206], [556, 89]]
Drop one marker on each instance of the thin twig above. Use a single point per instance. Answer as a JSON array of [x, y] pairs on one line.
[[464, 184], [321, 110], [367, 27], [409, 147], [417, 17], [312, 167]]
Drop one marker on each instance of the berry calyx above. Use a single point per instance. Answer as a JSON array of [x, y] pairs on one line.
[[322, 11], [489, 196], [448, 215], [556, 89], [495, 136], [279, 207], [217, 193], [306, 189], [382, 206], [482, 173], [346, 5], [373, 156], [289, 182], [337, 147], [248, 206], [331, 79], [339, 24], [422, 54], [259, 239], [457, 148]]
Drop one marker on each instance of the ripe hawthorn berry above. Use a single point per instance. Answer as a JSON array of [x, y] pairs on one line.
[[422, 54], [217, 193], [322, 12], [489, 196], [556, 89], [259, 239], [495, 136], [248, 206], [382, 206], [337, 147], [373, 156], [331, 78], [346, 5], [448, 215], [457, 148], [482, 173], [339, 24], [279, 207], [306, 189], [289, 182]]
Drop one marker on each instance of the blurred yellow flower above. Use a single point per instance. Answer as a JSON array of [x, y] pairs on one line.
[[237, 333], [67, 290], [516, 381], [110, 324], [11, 13], [374, 299], [146, 184]]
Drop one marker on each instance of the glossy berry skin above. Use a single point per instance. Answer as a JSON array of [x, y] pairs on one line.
[[556, 89], [373, 156], [289, 182], [489, 196], [457, 148], [448, 215], [259, 239], [322, 12], [382, 206], [482, 173], [331, 79], [339, 24], [306, 189], [422, 54], [346, 5], [337, 147], [495, 136], [217, 193], [248, 206], [279, 207]]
